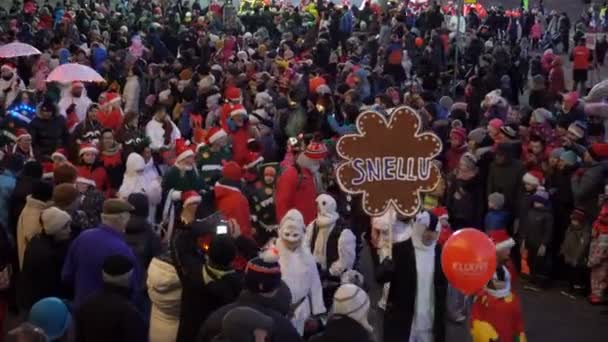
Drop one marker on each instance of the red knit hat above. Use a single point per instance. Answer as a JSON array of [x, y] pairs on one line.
[[60, 154], [190, 197], [316, 151], [232, 94], [534, 177], [183, 149], [84, 148], [232, 171], [598, 151], [459, 133]]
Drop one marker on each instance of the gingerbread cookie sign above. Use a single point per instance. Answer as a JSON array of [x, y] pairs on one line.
[[389, 161]]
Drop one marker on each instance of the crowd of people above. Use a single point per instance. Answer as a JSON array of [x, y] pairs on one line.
[[192, 196]]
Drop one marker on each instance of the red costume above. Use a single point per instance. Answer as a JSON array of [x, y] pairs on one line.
[[229, 199], [497, 318], [296, 190], [109, 114], [96, 173]]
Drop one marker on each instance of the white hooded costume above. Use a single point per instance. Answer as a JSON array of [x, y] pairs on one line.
[[299, 270], [9, 89], [82, 103], [327, 216], [140, 179]]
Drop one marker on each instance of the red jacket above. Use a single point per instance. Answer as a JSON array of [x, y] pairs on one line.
[[233, 204], [110, 119], [497, 319], [581, 58], [296, 191], [240, 152], [96, 173]]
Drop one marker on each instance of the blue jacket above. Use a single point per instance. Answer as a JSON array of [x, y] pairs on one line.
[[7, 184], [83, 265], [346, 22], [496, 220]]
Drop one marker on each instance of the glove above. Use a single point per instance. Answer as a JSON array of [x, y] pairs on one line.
[[176, 195], [541, 250]]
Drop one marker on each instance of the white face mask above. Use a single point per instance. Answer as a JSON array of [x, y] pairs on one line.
[[292, 236]]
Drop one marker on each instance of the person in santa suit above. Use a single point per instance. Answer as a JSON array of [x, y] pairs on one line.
[[91, 167], [74, 101], [59, 157], [299, 270], [110, 114], [89, 130], [111, 158], [182, 176], [229, 199], [23, 145], [261, 201], [233, 101], [333, 245], [496, 314], [136, 180], [211, 156], [161, 130], [296, 187], [416, 303], [10, 84], [238, 130]]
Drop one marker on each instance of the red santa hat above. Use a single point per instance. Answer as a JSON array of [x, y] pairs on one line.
[[238, 110], [190, 197], [8, 67], [22, 133], [441, 213], [59, 154], [86, 147], [47, 170], [501, 239], [85, 179], [232, 171], [183, 150], [316, 151], [597, 151], [534, 177], [253, 159], [232, 94], [215, 134]]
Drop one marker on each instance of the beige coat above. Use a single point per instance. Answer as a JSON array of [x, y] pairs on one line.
[[29, 224], [165, 292]]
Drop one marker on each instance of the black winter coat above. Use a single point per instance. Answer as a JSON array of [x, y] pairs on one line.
[[464, 201], [341, 328], [109, 316], [401, 302], [276, 308], [48, 134], [40, 275]]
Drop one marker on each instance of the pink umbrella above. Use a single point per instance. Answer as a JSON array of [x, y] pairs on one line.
[[17, 49], [71, 72]]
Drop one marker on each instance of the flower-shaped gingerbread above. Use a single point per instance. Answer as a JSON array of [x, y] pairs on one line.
[[389, 161]]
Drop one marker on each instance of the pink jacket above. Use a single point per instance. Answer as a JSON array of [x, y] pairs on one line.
[[536, 31]]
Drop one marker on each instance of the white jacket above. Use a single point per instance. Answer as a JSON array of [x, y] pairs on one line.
[[299, 272], [165, 292], [147, 183]]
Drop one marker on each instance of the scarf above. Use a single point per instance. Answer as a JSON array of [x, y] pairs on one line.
[[325, 223]]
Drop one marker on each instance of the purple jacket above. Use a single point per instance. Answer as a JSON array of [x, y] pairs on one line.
[[84, 263]]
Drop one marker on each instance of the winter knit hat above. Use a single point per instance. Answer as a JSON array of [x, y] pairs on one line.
[[263, 274], [51, 315], [54, 220], [459, 133], [117, 270], [541, 115], [569, 158], [496, 123], [65, 194], [352, 301], [578, 129], [598, 151], [508, 132], [232, 94], [540, 196], [240, 323], [497, 200], [183, 150], [534, 177], [316, 151], [478, 135], [215, 134]]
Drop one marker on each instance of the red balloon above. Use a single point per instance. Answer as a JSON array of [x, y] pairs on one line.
[[419, 41], [468, 260]]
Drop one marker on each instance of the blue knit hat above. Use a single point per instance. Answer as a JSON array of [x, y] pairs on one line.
[[569, 158], [263, 274], [51, 315]]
